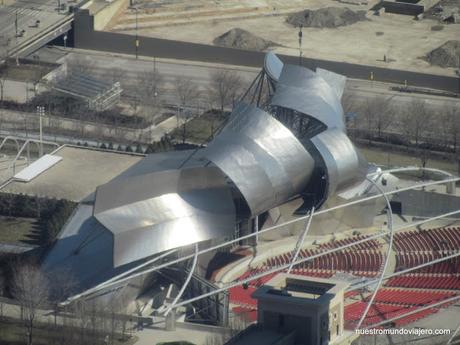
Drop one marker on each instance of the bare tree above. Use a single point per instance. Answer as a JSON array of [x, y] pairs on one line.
[[30, 289], [450, 126], [224, 88], [383, 113], [416, 121], [376, 115], [186, 91], [4, 55], [2, 86], [149, 84], [63, 285]]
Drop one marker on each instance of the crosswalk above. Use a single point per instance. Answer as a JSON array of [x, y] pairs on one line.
[[24, 12]]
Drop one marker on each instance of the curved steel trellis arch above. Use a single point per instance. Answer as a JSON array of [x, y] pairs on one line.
[[125, 276], [390, 245]]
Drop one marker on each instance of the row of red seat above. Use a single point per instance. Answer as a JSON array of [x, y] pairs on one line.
[[257, 282], [410, 297], [380, 312], [349, 260], [422, 281], [239, 295], [441, 239], [411, 259], [371, 244]]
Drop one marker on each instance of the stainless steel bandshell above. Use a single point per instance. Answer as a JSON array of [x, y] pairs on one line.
[[154, 212], [345, 165], [273, 66], [262, 157], [306, 92]]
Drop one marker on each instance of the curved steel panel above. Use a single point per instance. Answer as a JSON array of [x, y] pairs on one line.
[[273, 66], [151, 213], [262, 157], [335, 81], [305, 91], [345, 165]]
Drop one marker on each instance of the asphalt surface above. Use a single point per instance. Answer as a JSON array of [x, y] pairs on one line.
[[86, 38], [102, 63]]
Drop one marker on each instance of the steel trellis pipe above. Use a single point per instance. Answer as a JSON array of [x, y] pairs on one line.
[[451, 299], [395, 274], [278, 226], [282, 267], [389, 251], [451, 339], [301, 240], [187, 281]]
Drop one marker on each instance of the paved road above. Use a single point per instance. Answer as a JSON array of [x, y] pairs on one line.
[[102, 63], [26, 23], [86, 38]]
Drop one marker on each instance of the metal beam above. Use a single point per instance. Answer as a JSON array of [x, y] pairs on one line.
[[206, 250], [389, 251], [300, 241]]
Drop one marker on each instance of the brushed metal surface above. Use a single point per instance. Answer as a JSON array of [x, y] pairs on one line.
[[273, 66], [345, 166], [336, 81], [263, 158], [154, 212], [306, 92]]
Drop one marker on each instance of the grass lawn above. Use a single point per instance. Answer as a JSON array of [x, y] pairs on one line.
[[13, 333], [16, 230], [379, 156], [199, 129]]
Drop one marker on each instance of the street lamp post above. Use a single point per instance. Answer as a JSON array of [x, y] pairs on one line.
[[41, 113], [137, 36], [300, 44], [17, 35]]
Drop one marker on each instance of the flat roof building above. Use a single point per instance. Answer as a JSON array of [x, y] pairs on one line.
[[298, 310]]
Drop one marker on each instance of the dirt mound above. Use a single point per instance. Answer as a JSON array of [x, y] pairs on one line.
[[446, 11], [329, 17], [447, 55], [242, 39]]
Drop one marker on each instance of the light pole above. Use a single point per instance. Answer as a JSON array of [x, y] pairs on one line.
[[300, 44], [41, 113], [17, 35], [137, 36], [16, 23]]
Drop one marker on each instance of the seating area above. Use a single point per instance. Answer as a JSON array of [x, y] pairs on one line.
[[241, 296], [426, 281], [361, 262], [392, 302], [406, 260], [371, 244], [442, 239], [410, 297], [399, 295], [380, 312]]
